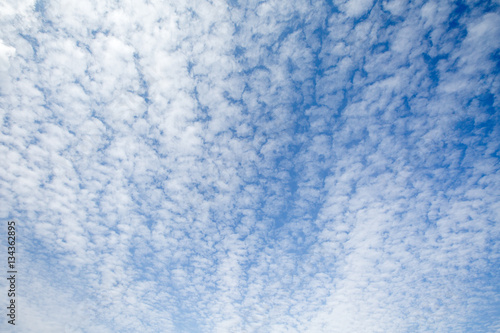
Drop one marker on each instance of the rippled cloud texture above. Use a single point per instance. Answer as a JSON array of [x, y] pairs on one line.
[[252, 166]]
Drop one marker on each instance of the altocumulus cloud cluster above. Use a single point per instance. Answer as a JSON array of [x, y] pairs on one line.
[[252, 166]]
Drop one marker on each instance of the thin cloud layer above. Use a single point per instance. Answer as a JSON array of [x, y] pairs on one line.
[[252, 166]]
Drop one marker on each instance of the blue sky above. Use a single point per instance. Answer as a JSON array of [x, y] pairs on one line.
[[252, 166]]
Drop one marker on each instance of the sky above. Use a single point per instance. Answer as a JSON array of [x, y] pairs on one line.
[[251, 166]]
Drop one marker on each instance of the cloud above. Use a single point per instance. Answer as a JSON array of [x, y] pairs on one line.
[[356, 8], [252, 166]]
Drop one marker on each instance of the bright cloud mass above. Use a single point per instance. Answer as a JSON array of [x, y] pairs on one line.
[[251, 166]]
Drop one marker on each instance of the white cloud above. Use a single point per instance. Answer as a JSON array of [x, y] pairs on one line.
[[252, 167], [356, 8]]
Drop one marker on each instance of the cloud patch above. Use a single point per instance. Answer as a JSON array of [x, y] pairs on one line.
[[252, 166]]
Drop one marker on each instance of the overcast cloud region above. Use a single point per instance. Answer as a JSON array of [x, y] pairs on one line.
[[251, 166]]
